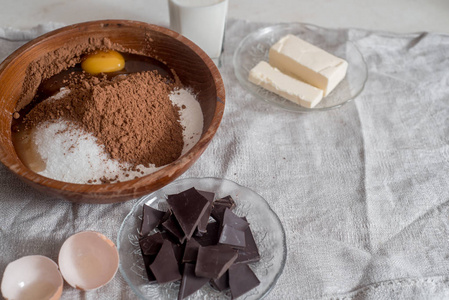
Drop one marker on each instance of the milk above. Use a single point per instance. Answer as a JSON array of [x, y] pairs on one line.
[[201, 21]]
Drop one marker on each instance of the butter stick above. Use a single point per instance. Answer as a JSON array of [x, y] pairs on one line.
[[285, 86], [296, 57]]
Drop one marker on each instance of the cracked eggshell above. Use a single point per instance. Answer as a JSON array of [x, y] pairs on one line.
[[32, 277], [88, 260]]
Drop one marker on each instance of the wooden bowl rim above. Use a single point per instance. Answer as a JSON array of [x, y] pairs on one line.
[[157, 179]]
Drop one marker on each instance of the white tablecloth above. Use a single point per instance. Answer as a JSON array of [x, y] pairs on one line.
[[362, 191]]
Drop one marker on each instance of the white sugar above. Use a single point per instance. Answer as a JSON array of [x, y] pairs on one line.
[[191, 117], [73, 155]]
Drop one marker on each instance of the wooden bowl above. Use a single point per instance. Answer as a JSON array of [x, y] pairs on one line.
[[194, 68]]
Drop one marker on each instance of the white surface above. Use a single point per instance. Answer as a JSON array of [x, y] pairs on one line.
[[361, 190], [389, 15]]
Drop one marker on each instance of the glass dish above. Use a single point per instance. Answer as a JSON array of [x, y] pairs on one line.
[[254, 48], [265, 225]]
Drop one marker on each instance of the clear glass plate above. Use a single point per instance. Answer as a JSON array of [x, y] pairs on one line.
[[265, 225], [255, 47]]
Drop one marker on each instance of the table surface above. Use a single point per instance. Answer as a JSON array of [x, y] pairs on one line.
[[397, 15], [401, 199]]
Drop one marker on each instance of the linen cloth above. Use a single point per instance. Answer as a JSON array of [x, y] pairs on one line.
[[362, 191]]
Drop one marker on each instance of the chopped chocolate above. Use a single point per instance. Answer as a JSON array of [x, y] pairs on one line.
[[208, 195], [226, 201], [172, 226], [150, 220], [178, 250], [241, 280], [250, 253], [219, 207], [218, 212], [221, 283], [191, 251], [165, 266], [231, 219], [205, 218], [218, 253], [151, 244], [167, 215], [190, 283], [147, 261], [214, 261], [211, 236], [188, 208], [232, 237]]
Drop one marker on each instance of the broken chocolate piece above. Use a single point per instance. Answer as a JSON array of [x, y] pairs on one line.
[[172, 226], [222, 283], [190, 283], [250, 253], [231, 219], [226, 201], [147, 261], [214, 261], [205, 218], [150, 219], [151, 244], [178, 250], [188, 208], [220, 206], [165, 266], [232, 237], [191, 251], [211, 236], [167, 215], [216, 248], [241, 280]]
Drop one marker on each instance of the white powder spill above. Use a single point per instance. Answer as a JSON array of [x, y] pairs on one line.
[[73, 155]]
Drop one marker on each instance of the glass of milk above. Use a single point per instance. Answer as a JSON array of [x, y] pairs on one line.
[[201, 21]]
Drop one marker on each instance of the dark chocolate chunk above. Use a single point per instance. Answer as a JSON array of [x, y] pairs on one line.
[[214, 261], [250, 253], [241, 280], [208, 195], [222, 283], [172, 226], [151, 244], [232, 237], [165, 267], [167, 215], [147, 261], [226, 201], [191, 251], [231, 219], [190, 283], [178, 250], [219, 207], [205, 218], [211, 236], [150, 219], [218, 212], [188, 208]]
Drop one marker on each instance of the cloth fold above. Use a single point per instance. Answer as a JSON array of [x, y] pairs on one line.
[[361, 191]]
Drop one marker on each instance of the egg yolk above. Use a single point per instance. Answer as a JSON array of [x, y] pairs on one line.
[[103, 62]]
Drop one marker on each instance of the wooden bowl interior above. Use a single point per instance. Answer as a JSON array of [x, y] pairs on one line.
[[194, 68]]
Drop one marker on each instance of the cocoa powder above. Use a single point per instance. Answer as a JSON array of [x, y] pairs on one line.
[[53, 62], [132, 115]]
